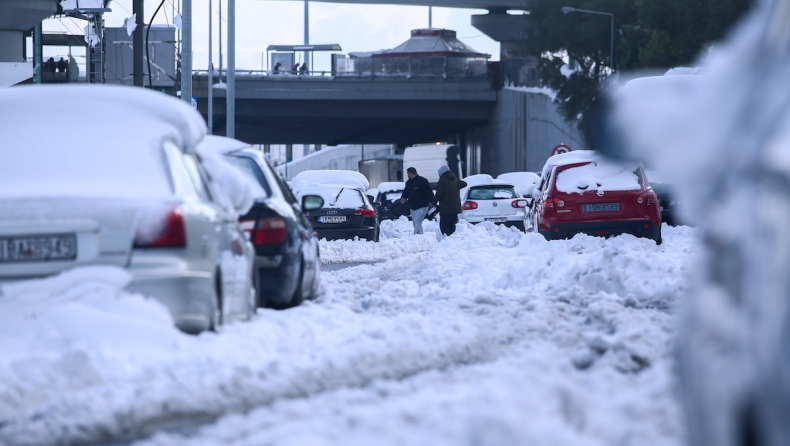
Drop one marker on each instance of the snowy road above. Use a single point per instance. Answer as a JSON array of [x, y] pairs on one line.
[[489, 337]]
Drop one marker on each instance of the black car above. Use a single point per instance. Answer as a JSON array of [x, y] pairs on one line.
[[389, 201], [287, 257], [347, 213], [667, 202]]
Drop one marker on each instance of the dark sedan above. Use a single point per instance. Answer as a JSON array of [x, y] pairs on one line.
[[346, 214], [287, 257]]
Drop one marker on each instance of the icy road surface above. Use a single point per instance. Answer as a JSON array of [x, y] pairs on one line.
[[489, 337]]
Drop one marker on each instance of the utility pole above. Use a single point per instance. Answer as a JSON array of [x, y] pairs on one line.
[[230, 98], [306, 30], [220, 41], [186, 51], [210, 73], [38, 58], [137, 43], [430, 17]]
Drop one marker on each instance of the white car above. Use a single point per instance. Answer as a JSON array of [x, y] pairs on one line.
[[485, 199], [126, 189]]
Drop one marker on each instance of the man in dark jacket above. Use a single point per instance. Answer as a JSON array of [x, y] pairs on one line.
[[419, 196], [448, 197]]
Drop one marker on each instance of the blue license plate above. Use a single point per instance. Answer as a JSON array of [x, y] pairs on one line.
[[601, 207]]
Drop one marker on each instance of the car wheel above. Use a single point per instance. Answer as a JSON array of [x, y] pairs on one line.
[[299, 293]]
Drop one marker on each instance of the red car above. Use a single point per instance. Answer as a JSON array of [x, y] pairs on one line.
[[583, 193]]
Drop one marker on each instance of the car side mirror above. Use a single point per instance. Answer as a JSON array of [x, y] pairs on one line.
[[312, 203], [371, 198]]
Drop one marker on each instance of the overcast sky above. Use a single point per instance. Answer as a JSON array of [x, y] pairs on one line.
[[260, 23]]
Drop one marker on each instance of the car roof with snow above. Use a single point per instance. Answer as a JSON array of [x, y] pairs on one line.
[[520, 179], [347, 178], [391, 186], [482, 179], [66, 108]]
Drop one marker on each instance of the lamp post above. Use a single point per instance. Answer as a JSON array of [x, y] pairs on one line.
[[568, 10]]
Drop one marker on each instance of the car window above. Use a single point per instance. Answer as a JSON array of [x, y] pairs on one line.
[[178, 171], [289, 196], [199, 182], [251, 168], [492, 193], [597, 176]]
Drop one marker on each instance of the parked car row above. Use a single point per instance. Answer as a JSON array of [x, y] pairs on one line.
[[147, 191]]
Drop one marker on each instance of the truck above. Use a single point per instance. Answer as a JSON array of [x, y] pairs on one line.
[[427, 159]]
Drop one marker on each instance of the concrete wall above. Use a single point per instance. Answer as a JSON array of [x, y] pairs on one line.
[[335, 158], [524, 128]]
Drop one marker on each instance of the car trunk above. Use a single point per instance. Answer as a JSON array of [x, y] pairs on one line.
[[338, 219], [40, 237], [593, 205], [494, 208]]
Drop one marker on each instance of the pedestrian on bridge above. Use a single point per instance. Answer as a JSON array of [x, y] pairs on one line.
[[417, 192], [448, 198]]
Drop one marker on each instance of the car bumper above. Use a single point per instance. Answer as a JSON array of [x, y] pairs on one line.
[[367, 232], [188, 294], [639, 228], [277, 280], [511, 219]]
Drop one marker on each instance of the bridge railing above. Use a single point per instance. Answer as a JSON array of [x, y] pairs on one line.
[[405, 67]]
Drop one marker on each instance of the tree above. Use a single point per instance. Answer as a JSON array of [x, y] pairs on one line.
[[655, 34]]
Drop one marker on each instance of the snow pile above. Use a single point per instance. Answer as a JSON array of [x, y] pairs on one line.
[[520, 179], [489, 334], [391, 186], [573, 346], [396, 240]]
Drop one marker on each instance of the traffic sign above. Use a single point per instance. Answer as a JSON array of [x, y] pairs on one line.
[[562, 148]]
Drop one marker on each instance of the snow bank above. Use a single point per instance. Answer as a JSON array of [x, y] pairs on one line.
[[569, 343], [488, 334]]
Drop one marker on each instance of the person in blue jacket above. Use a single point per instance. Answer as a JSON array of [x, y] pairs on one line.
[[418, 194]]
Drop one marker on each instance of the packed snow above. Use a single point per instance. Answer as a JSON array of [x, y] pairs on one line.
[[600, 176], [489, 336]]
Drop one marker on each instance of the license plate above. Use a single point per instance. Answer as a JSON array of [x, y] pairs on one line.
[[601, 207], [497, 220], [38, 249], [338, 219]]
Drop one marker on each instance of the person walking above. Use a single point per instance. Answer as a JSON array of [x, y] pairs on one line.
[[448, 198], [419, 195]]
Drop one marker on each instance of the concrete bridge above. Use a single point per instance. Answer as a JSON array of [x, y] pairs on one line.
[[291, 109]]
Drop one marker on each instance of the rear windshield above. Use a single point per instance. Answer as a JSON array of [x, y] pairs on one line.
[[340, 199], [598, 176], [250, 168], [492, 193], [392, 196]]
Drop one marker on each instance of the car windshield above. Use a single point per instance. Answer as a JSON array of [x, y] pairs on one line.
[[392, 196], [598, 176], [248, 166], [336, 197], [492, 193]]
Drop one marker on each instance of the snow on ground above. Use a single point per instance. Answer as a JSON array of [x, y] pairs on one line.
[[489, 336]]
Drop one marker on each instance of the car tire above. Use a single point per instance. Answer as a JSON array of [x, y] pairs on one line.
[[659, 240], [299, 293]]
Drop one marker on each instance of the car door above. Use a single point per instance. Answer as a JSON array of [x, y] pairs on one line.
[[310, 250], [235, 255]]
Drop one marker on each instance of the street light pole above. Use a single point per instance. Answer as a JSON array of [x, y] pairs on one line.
[[568, 10], [230, 95], [186, 51], [210, 72]]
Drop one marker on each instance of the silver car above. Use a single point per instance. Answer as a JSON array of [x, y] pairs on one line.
[[109, 176]]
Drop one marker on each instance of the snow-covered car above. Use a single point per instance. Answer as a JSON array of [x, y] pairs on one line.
[[287, 258], [132, 192], [582, 192], [388, 196], [346, 213], [487, 199], [525, 183]]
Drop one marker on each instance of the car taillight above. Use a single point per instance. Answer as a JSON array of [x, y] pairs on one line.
[[469, 205], [516, 204], [172, 235], [369, 213], [648, 198], [549, 203], [267, 231]]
